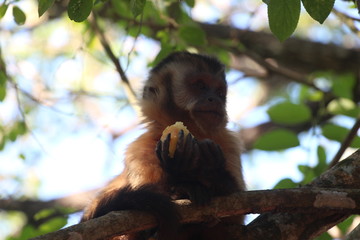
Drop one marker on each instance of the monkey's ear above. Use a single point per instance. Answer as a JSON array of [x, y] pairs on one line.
[[150, 92]]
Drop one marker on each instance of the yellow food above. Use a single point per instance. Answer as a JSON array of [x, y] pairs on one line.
[[174, 133]]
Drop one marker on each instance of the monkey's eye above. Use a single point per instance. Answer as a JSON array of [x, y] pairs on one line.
[[221, 94], [200, 85]]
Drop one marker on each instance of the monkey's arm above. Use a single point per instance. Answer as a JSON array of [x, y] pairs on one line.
[[197, 169]]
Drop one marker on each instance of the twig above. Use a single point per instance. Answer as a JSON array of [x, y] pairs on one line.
[[299, 78], [105, 44], [348, 21], [346, 143]]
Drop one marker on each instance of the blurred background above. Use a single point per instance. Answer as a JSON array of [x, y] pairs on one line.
[[66, 116]]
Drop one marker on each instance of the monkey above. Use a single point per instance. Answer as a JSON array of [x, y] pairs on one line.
[[190, 88]]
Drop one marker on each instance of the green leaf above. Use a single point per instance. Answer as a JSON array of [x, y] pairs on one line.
[[44, 5], [165, 51], [19, 15], [279, 139], [137, 7], [192, 35], [79, 10], [324, 236], [308, 173], [190, 3], [338, 133], [286, 183], [283, 17], [17, 130], [321, 155], [321, 166], [318, 9], [343, 106], [289, 113], [343, 85], [345, 225], [53, 225], [3, 9], [2, 86], [44, 213]]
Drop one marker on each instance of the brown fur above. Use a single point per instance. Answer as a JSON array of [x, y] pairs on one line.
[[168, 98]]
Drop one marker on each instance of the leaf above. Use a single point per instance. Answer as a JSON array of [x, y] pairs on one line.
[[137, 7], [44, 213], [343, 85], [345, 225], [3, 9], [289, 113], [2, 86], [165, 51], [279, 139], [192, 35], [338, 133], [79, 10], [322, 165], [286, 183], [190, 3], [44, 5], [343, 106], [324, 236], [283, 17], [318, 9], [53, 225], [19, 15], [307, 172]]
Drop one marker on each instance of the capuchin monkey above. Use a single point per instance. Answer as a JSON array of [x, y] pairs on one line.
[[190, 88]]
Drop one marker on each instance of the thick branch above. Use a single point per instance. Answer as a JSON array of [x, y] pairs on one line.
[[311, 56], [241, 203], [316, 209], [288, 226]]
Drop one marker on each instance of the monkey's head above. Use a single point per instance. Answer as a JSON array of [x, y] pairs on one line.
[[187, 87]]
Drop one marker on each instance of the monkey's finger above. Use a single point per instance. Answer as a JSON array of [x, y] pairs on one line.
[[219, 155], [205, 149], [165, 148], [190, 148], [208, 152], [158, 150], [194, 162], [180, 143]]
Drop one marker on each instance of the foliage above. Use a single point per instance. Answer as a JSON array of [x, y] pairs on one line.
[[284, 15]]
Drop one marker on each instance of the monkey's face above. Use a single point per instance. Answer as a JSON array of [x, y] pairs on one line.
[[187, 87], [203, 95]]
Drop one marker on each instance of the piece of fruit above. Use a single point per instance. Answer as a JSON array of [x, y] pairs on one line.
[[174, 134]]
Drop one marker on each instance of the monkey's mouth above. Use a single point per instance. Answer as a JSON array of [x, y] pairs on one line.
[[210, 113]]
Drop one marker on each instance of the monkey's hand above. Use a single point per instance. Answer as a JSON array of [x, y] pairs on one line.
[[183, 169], [213, 173], [186, 157]]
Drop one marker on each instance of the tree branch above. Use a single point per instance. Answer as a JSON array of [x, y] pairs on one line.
[[346, 143], [281, 200], [105, 44], [291, 213]]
